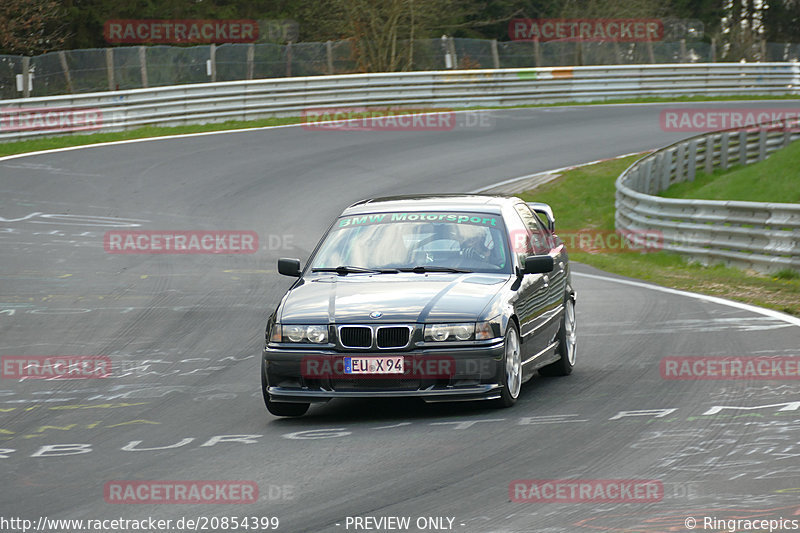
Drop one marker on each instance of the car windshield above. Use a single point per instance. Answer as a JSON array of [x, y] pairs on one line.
[[422, 241]]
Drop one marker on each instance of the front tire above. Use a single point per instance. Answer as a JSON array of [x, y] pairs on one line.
[[567, 343], [511, 369]]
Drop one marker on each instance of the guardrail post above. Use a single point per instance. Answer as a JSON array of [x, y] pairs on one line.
[[709, 162], [251, 55], [495, 54], [680, 163], [724, 148], [110, 68], [329, 55], [692, 161], [762, 145], [787, 131], [26, 76], [143, 65], [657, 172], [743, 147], [666, 170], [647, 171], [62, 58]]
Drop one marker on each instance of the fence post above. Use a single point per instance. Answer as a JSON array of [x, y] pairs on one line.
[[62, 57], [684, 58], [143, 65], [763, 50], [650, 52], [110, 68], [212, 62], [495, 54], [537, 53], [251, 54], [713, 50], [288, 59], [26, 80], [451, 45], [329, 55]]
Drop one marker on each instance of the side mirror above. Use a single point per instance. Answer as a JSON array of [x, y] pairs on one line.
[[547, 211], [538, 264], [289, 267]]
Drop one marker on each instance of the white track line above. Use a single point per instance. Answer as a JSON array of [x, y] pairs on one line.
[[795, 321]]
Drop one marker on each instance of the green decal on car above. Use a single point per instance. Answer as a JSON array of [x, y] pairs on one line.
[[458, 218]]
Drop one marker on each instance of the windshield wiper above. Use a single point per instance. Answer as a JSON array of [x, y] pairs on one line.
[[421, 269], [343, 270]]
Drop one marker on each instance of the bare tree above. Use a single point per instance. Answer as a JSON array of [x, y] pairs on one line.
[[31, 26]]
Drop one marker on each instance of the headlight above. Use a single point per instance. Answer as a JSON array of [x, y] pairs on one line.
[[301, 333], [486, 330], [451, 332]]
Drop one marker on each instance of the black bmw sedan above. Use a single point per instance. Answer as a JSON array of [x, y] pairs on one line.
[[447, 297]]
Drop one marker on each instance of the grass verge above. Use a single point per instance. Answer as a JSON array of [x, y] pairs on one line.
[[773, 180], [583, 198]]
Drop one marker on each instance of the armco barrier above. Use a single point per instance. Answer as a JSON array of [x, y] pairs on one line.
[[761, 236], [252, 99]]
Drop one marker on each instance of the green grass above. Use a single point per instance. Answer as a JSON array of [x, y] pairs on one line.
[[776, 179], [583, 198], [49, 143]]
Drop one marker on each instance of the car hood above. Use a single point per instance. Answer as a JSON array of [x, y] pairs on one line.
[[403, 297]]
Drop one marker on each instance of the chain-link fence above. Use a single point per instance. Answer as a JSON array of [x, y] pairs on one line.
[[109, 69]]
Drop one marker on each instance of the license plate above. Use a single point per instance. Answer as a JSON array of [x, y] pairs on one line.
[[373, 365]]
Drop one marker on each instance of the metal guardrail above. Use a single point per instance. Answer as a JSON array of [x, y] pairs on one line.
[[761, 236], [253, 99]]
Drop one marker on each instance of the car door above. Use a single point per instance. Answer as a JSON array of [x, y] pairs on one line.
[[533, 294]]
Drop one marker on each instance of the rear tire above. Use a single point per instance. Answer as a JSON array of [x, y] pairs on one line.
[[567, 343]]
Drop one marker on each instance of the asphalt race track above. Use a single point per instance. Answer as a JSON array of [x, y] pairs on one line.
[[184, 334]]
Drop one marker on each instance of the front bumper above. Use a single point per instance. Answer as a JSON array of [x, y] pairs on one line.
[[472, 373]]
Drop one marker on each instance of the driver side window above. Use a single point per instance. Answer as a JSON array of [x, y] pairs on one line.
[[536, 241]]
